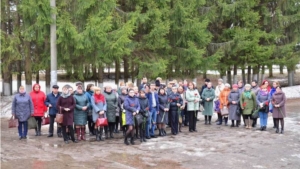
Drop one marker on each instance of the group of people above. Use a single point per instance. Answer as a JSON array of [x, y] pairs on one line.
[[138, 111]]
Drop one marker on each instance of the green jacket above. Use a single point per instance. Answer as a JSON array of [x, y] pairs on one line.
[[208, 105], [191, 96], [248, 104], [112, 105]]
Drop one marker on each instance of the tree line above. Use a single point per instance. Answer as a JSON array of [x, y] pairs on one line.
[[166, 38]]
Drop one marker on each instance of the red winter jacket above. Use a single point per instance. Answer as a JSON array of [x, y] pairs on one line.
[[38, 99]]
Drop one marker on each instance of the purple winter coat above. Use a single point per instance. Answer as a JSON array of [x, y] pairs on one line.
[[131, 104]]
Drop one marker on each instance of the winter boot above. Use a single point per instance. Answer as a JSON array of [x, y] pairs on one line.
[[132, 141], [97, 134], [209, 120], [83, 134], [250, 122], [100, 134], [205, 120], [160, 132], [219, 120], [254, 123], [226, 121], [126, 141], [36, 132], [78, 130], [180, 125], [282, 131], [232, 123]]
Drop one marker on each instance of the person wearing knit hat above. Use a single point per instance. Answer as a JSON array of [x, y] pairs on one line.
[[235, 86], [208, 96], [248, 104]]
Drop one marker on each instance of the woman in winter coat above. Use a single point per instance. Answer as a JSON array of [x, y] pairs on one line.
[[175, 104], [38, 98], [99, 107], [181, 92], [208, 96], [224, 102], [144, 110], [132, 108], [248, 104], [121, 99], [234, 105], [278, 101], [111, 110], [272, 91], [89, 93], [218, 90], [162, 117], [66, 105], [193, 98], [262, 100], [22, 109], [80, 113]]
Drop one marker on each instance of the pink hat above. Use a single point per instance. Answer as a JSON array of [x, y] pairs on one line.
[[235, 86]]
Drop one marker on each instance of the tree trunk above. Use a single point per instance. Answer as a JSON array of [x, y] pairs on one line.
[[281, 66], [229, 78], [255, 71], [234, 74], [132, 72], [205, 74], [249, 75], [270, 67], [126, 68], [290, 77], [94, 70], [243, 74], [117, 71], [19, 74], [37, 77], [7, 81], [262, 78], [47, 80], [100, 76], [28, 69]]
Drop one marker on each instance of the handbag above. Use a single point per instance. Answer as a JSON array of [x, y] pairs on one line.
[[139, 118], [31, 123], [13, 122], [123, 118], [46, 120], [201, 108], [255, 114], [224, 111], [102, 121], [217, 106], [238, 111], [59, 117]]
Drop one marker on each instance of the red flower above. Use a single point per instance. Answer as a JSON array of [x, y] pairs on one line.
[[267, 103], [147, 108], [176, 98], [132, 105], [196, 94], [244, 104]]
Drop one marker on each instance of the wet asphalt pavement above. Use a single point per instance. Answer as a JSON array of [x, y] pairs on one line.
[[211, 147]]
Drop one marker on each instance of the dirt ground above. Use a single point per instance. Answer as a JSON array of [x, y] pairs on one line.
[[211, 147]]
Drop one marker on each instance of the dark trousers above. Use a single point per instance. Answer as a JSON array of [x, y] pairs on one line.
[[111, 127], [142, 130], [71, 132], [51, 125], [39, 122], [23, 128], [174, 121], [192, 120], [118, 119], [91, 124], [186, 116]]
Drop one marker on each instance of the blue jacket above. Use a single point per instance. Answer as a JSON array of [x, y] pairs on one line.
[[149, 97], [89, 95], [51, 99]]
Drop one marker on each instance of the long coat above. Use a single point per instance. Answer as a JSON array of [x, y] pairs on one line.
[[80, 116], [224, 98], [144, 106], [112, 106], [22, 106], [234, 96], [208, 105], [191, 96], [248, 104], [162, 117], [38, 99], [68, 102], [279, 98], [97, 107], [131, 104]]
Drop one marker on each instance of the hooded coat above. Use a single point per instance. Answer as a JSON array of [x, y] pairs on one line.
[[38, 99]]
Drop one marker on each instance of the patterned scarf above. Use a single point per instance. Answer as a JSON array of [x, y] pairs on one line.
[[248, 94]]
